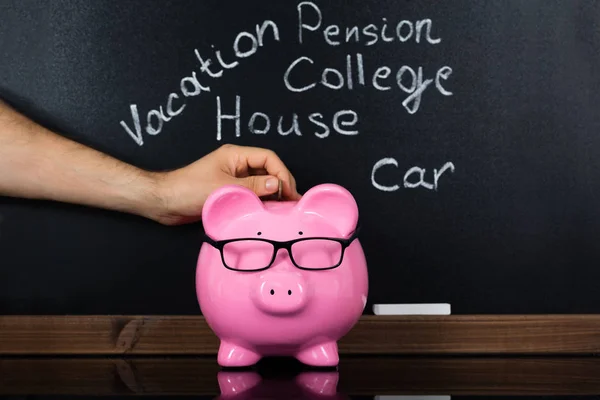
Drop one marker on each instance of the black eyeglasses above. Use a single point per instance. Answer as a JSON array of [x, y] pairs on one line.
[[257, 254]]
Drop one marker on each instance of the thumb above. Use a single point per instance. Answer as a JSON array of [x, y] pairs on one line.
[[261, 185]]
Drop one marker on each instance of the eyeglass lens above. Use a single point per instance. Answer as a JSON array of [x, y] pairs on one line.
[[248, 255]]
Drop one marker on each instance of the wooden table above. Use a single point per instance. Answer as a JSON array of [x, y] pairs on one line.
[[436, 355], [372, 335], [355, 376]]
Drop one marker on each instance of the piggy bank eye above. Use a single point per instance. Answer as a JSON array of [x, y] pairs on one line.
[[300, 233], [259, 233]]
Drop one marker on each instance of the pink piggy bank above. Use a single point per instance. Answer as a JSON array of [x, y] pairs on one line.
[[281, 278]]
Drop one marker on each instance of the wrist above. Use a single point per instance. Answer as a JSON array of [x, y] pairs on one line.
[[151, 199]]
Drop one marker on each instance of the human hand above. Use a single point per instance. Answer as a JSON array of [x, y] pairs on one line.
[[79, 174], [184, 191]]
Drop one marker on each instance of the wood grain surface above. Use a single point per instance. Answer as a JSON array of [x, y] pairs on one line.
[[389, 335]]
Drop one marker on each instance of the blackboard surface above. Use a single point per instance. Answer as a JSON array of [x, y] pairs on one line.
[[499, 100]]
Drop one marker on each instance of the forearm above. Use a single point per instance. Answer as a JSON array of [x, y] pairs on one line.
[[36, 163]]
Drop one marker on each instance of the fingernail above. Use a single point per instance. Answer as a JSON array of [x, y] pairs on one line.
[[272, 184]]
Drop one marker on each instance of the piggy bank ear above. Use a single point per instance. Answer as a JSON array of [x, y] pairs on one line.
[[332, 202], [226, 205]]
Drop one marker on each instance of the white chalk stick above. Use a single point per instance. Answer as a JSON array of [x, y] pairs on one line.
[[412, 309], [424, 397]]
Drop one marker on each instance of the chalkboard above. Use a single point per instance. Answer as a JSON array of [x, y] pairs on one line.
[[468, 131]]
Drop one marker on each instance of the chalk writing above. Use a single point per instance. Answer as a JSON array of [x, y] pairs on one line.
[[245, 45], [353, 71], [406, 79], [403, 31], [413, 177], [343, 122]]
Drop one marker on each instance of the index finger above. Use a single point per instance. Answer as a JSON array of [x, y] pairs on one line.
[[259, 158]]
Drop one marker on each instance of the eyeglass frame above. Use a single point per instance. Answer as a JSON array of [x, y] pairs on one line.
[[286, 245]]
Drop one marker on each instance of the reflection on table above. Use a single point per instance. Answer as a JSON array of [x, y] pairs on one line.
[[366, 377]]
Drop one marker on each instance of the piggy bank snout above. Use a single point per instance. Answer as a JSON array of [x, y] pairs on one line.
[[281, 293]]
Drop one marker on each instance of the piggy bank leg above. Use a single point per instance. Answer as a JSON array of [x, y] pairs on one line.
[[322, 355], [232, 355]]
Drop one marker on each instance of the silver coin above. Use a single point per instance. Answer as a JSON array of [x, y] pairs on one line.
[[280, 190]]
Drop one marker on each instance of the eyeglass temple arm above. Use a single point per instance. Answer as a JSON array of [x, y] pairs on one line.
[[210, 240]]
